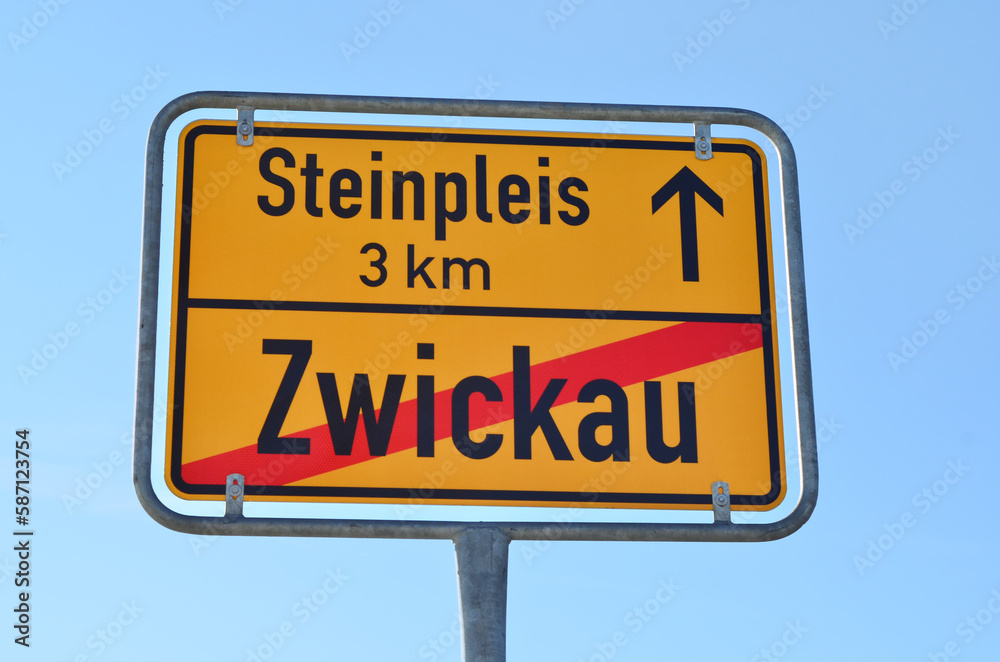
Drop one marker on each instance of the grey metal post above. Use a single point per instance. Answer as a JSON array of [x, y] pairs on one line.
[[481, 554]]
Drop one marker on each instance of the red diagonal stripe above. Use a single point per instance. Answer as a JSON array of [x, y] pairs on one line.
[[625, 362]]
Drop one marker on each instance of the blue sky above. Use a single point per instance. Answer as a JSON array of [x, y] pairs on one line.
[[882, 101]]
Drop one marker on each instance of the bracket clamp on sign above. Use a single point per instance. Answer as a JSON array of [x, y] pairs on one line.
[[703, 140], [721, 503], [235, 489], [244, 121]]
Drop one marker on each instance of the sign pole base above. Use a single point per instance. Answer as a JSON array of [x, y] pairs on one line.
[[481, 554]]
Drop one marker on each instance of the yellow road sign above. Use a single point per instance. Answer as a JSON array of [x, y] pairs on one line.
[[385, 315]]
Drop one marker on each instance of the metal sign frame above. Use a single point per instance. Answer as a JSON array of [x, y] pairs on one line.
[[465, 533]]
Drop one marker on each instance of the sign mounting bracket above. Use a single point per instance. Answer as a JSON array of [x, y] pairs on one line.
[[703, 140], [721, 502], [244, 120], [235, 487]]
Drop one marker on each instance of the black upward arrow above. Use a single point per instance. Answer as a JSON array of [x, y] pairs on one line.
[[685, 184]]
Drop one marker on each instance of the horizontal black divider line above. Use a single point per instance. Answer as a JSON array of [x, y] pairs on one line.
[[478, 495], [472, 311]]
